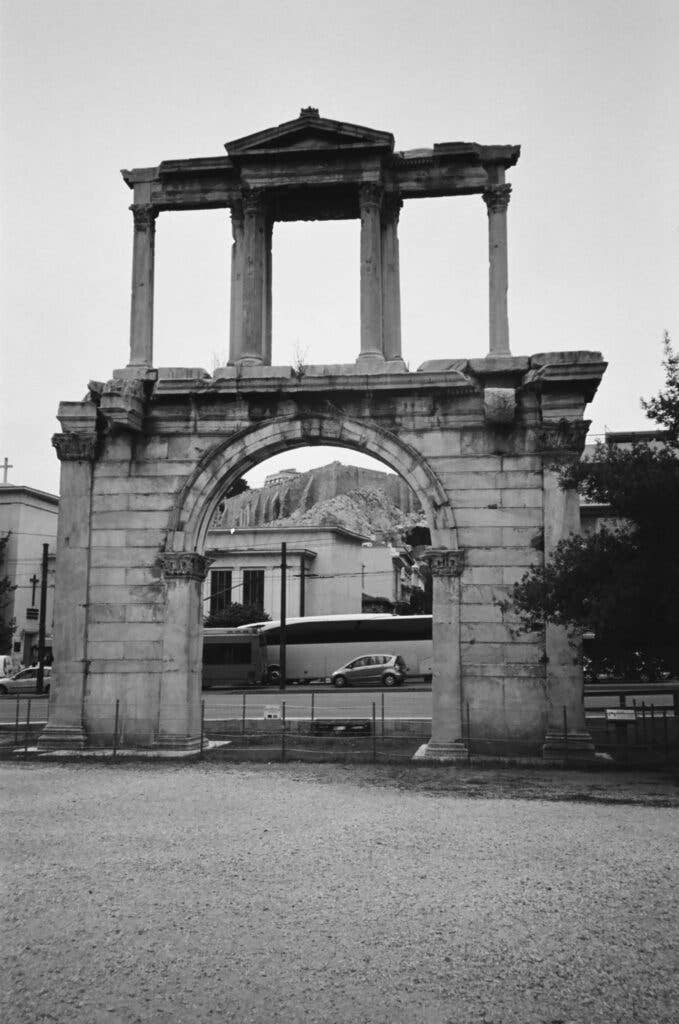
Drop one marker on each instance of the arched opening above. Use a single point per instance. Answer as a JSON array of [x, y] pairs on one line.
[[225, 463]]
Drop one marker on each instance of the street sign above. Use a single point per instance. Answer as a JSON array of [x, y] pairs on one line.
[[620, 714]]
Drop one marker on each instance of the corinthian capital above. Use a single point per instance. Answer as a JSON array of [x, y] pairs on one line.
[[75, 447], [186, 565], [254, 200], [370, 194], [445, 561], [144, 216], [496, 198]]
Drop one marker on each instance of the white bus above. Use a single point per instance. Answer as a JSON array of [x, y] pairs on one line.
[[317, 645]]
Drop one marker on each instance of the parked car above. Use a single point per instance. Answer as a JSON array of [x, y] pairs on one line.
[[26, 681], [389, 669]]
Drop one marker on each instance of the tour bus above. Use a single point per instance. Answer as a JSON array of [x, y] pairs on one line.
[[317, 645], [233, 657]]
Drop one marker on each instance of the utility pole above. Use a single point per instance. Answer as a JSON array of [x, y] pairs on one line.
[[41, 625], [281, 656]]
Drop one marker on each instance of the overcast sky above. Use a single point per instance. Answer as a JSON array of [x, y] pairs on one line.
[[588, 89]]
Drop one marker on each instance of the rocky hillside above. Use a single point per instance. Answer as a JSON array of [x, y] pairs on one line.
[[364, 510]]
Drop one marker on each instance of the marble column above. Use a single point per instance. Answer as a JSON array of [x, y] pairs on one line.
[[391, 284], [141, 312], [370, 198], [496, 198], [253, 350], [446, 743], [268, 294], [237, 263], [565, 737], [65, 729], [179, 712]]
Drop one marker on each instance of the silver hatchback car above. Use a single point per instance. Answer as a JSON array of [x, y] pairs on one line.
[[369, 669], [26, 681]]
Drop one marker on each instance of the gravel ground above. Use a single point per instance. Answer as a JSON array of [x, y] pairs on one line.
[[282, 893]]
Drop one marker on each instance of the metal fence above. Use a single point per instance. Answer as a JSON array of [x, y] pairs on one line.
[[348, 725]]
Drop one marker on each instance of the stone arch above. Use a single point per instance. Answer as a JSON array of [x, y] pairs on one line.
[[225, 462]]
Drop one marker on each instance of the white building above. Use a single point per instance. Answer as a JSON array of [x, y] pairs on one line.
[[29, 517], [329, 570]]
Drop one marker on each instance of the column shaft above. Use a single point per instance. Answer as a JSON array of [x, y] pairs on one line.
[[564, 663], [371, 271], [391, 285], [141, 312], [254, 304], [496, 198], [65, 729], [237, 261], [446, 742], [268, 294], [179, 712]]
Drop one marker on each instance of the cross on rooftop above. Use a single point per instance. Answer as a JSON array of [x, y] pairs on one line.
[[6, 466]]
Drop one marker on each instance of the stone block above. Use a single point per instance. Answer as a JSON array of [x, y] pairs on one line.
[[503, 557], [110, 503], [479, 613], [521, 497], [482, 574], [463, 498], [479, 536], [107, 577], [105, 649], [123, 557], [144, 651], [101, 612], [146, 612], [517, 537], [485, 633], [481, 594]]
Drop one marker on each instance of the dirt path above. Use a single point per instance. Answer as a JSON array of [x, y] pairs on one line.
[[287, 893]]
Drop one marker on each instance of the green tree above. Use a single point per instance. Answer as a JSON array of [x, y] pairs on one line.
[[621, 583], [237, 615], [7, 625]]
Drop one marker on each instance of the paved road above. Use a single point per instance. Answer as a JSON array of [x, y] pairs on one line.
[[410, 702]]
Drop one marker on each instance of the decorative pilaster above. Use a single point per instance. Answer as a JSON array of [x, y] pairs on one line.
[[391, 285], [446, 742], [141, 313], [179, 714], [253, 350], [566, 737], [496, 198], [76, 452], [370, 199], [268, 304], [237, 271]]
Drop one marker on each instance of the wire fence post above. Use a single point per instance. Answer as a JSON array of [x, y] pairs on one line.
[[282, 731], [242, 721], [665, 737], [636, 723], [115, 729], [653, 741], [313, 696], [28, 725], [469, 737], [382, 712], [16, 724], [374, 732], [565, 733], [202, 726]]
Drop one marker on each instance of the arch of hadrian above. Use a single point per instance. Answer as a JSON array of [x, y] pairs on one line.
[[146, 456]]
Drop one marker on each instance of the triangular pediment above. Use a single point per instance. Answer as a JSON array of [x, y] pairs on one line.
[[310, 132]]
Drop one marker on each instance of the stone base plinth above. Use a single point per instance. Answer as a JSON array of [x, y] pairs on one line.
[[441, 753], [62, 737], [171, 744], [575, 746]]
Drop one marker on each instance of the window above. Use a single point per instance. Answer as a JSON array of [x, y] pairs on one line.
[[220, 590], [253, 587]]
